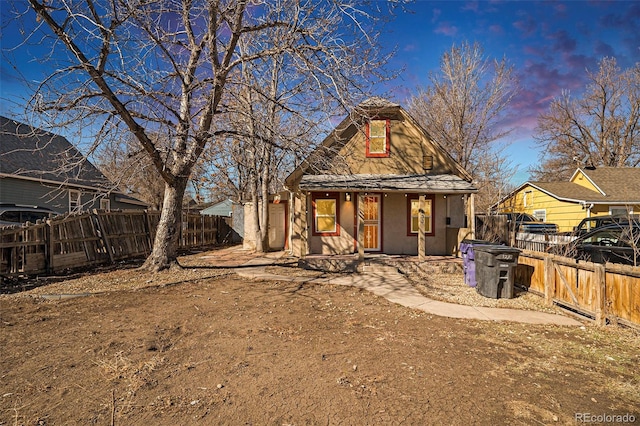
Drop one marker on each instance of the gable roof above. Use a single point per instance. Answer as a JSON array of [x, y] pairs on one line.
[[372, 107], [221, 208], [616, 185], [34, 154], [621, 183]]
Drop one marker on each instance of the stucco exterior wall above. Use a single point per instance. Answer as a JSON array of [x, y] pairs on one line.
[[249, 237], [411, 152], [395, 238], [406, 152], [334, 244]]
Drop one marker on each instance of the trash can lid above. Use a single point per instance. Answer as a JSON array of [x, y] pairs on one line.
[[493, 248], [467, 241]]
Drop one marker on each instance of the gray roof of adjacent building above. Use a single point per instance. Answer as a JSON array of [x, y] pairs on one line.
[[31, 153]]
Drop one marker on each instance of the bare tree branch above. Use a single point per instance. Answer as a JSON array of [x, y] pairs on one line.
[[601, 128]]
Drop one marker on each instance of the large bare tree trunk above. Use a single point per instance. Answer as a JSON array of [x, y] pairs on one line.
[[199, 64], [264, 191], [260, 248], [165, 246]]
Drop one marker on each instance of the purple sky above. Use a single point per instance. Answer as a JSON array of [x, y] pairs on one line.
[[550, 44]]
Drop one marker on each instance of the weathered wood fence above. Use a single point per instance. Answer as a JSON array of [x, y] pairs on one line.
[[541, 242], [606, 293], [96, 238]]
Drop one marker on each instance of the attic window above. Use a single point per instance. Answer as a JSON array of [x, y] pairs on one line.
[[378, 138]]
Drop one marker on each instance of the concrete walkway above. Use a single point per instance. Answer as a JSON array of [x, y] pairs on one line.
[[393, 286]]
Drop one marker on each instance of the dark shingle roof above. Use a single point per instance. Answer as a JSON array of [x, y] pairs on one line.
[[568, 190], [29, 152], [374, 182], [618, 183]]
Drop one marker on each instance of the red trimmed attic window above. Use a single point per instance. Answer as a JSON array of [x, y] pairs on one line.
[[378, 136]]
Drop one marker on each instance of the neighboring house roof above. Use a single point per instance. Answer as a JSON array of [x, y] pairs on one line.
[[618, 183], [615, 185], [371, 182], [223, 208], [34, 154], [371, 107]]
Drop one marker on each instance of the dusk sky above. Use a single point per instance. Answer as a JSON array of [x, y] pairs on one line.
[[551, 45]]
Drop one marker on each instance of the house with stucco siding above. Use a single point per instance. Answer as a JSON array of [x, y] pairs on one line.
[[377, 184]]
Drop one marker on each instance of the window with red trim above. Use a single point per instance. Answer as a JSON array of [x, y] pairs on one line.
[[378, 132], [326, 211], [413, 209]]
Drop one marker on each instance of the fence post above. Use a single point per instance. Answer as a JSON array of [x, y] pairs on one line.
[[48, 243], [549, 281], [102, 231], [601, 294], [150, 235]]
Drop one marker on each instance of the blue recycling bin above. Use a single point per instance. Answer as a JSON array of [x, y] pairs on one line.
[[468, 260]]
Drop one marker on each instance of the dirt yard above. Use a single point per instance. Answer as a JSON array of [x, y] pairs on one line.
[[201, 346]]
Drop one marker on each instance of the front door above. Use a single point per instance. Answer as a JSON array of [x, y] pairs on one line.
[[372, 232], [276, 226]]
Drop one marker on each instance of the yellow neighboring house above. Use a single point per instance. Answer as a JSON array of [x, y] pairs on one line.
[[590, 192]]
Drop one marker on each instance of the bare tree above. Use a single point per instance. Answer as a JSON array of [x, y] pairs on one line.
[[159, 67], [272, 114], [131, 170], [462, 108], [600, 128]]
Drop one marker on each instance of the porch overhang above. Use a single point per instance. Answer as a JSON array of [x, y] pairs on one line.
[[442, 184]]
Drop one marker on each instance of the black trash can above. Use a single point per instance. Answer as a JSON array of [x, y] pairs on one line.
[[468, 260], [495, 270]]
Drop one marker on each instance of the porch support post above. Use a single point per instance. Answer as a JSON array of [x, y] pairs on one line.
[[303, 199], [472, 214], [421, 227], [360, 219]]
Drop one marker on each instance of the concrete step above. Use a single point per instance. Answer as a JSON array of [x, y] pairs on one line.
[[377, 268]]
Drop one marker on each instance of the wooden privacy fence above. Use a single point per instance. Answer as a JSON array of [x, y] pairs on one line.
[[607, 292], [94, 238]]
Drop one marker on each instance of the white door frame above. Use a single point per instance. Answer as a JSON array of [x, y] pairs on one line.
[[277, 228]]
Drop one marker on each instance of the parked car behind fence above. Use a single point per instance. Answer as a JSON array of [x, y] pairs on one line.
[[15, 214], [613, 243], [592, 223]]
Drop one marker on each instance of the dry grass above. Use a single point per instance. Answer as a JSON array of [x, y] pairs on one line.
[[450, 287], [120, 368]]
